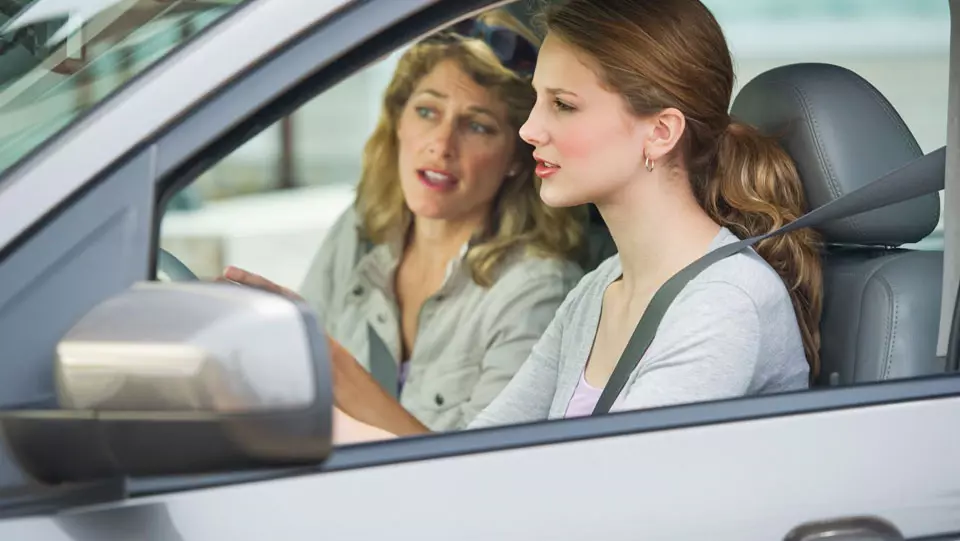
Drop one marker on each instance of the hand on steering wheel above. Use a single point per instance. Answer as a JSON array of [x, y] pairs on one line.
[[247, 278]]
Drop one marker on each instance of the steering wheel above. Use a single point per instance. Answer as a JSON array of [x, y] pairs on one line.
[[171, 269]]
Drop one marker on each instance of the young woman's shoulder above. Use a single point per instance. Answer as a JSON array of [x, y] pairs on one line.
[[742, 300], [749, 273], [731, 332]]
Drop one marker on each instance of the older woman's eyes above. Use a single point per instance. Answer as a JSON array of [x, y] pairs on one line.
[[477, 127], [426, 112]]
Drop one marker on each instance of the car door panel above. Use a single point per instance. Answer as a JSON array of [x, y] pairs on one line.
[[754, 480]]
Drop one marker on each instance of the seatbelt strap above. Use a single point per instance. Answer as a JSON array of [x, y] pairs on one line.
[[920, 177], [383, 368]]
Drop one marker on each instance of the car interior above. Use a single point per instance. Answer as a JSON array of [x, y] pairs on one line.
[[881, 300]]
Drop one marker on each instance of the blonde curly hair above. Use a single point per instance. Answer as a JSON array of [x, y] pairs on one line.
[[519, 219]]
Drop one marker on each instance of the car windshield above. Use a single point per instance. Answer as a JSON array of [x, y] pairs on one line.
[[59, 58]]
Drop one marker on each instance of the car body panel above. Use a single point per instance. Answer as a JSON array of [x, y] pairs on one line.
[[748, 481]]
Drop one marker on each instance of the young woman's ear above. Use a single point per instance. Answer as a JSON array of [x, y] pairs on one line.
[[668, 127]]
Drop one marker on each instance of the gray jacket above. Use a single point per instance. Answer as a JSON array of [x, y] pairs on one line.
[[471, 340]]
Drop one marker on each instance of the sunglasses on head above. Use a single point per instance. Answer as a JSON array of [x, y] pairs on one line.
[[515, 52]]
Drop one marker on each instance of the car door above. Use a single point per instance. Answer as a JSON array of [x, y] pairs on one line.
[[857, 460]]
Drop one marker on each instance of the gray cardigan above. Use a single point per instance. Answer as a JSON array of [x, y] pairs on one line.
[[730, 332]]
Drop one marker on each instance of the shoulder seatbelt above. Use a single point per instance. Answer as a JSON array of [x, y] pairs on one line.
[[383, 367], [922, 176]]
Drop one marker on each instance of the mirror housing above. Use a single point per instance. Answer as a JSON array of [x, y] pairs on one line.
[[178, 378]]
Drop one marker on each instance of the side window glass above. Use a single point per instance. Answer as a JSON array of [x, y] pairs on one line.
[[268, 204]]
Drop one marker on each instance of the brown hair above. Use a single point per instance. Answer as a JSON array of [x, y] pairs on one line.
[[672, 53], [519, 219]]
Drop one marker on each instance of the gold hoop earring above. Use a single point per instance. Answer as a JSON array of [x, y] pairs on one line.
[[648, 164]]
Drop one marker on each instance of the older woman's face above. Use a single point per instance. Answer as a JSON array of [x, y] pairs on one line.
[[456, 146]]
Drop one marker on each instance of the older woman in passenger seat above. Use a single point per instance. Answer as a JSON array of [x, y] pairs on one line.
[[632, 115], [448, 268]]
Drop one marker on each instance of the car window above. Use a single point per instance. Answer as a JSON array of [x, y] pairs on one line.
[[59, 59], [269, 205]]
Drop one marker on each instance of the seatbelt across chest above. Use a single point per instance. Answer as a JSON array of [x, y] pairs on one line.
[[922, 176]]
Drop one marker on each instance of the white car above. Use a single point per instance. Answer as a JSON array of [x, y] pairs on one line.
[[178, 410]]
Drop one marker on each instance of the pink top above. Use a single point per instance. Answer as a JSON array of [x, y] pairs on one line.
[[584, 399]]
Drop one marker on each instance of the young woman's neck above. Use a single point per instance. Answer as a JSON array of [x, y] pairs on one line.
[[658, 228]]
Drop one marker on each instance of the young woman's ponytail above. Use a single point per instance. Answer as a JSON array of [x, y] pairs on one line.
[[755, 189]]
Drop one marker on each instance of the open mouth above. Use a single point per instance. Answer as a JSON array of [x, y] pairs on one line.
[[545, 168], [438, 180]]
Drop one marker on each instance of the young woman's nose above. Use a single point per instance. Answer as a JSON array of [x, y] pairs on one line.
[[532, 130]]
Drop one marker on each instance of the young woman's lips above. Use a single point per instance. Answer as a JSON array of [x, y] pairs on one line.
[[436, 179], [546, 169]]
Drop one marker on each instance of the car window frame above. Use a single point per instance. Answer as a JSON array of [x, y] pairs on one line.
[[174, 177]]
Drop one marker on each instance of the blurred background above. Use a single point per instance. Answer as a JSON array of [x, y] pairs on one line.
[[267, 206]]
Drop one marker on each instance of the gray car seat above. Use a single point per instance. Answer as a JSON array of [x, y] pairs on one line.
[[881, 302]]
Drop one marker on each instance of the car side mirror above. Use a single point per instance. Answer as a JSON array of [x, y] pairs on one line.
[[180, 378]]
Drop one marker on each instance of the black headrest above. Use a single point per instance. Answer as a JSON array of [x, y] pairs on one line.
[[842, 134]]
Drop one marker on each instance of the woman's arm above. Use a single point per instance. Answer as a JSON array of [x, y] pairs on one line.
[[348, 431], [359, 396]]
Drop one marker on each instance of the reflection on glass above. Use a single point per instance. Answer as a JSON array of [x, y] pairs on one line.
[[59, 58]]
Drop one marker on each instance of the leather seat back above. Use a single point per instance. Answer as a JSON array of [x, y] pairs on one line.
[[881, 302]]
